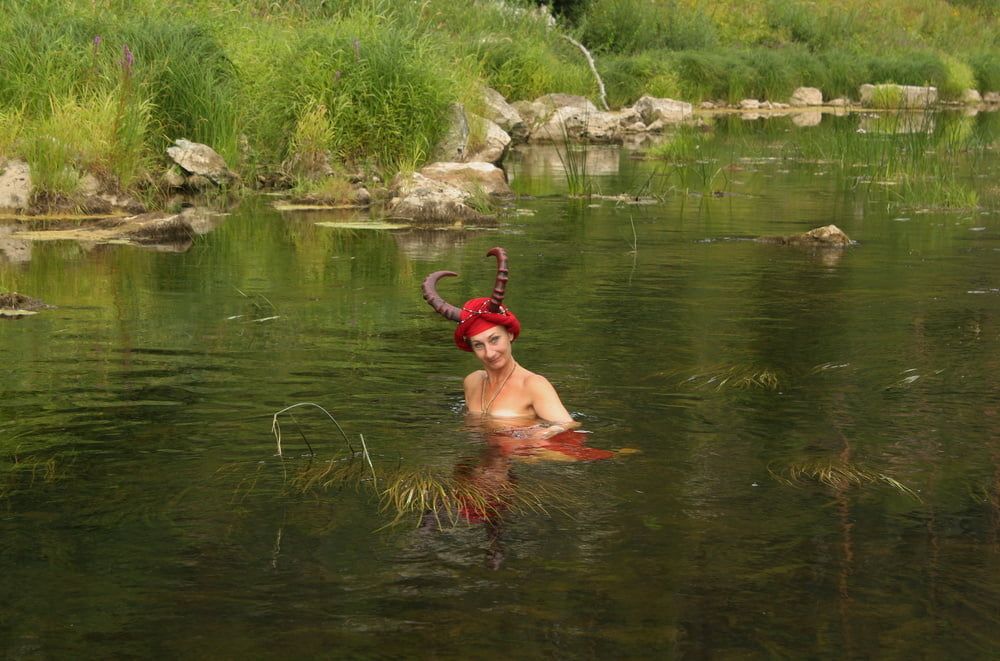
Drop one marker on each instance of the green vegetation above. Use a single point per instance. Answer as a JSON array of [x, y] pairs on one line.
[[281, 90], [727, 50], [291, 91]]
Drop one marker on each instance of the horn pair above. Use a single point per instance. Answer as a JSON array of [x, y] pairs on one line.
[[449, 311]]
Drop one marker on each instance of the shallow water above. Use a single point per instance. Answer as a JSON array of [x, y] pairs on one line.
[[145, 512]]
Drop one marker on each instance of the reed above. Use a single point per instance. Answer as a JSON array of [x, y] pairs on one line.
[[573, 159]]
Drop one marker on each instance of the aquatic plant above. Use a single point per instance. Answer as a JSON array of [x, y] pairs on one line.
[[740, 377], [574, 164], [837, 474], [451, 499]]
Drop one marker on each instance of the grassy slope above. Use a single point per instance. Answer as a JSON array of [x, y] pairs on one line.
[[274, 84]]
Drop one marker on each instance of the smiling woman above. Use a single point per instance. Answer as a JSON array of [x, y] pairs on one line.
[[503, 388]]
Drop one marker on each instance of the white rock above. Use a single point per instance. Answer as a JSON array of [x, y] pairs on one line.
[[469, 177], [15, 185], [910, 96], [494, 145], [972, 97], [806, 96], [504, 115], [667, 111]]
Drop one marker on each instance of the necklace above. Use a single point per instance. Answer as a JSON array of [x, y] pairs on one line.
[[482, 401]]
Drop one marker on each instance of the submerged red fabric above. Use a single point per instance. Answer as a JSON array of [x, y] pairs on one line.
[[477, 317]]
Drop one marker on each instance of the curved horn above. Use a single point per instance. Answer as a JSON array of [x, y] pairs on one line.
[[441, 306], [503, 275]]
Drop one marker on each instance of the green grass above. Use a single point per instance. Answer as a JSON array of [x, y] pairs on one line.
[[250, 78]]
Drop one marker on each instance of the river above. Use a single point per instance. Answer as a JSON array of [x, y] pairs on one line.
[[807, 443]]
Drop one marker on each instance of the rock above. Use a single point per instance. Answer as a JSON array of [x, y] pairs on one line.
[[89, 185], [992, 98], [155, 228], [14, 305], [540, 111], [361, 197], [172, 178], [829, 236], [494, 144], [806, 96], [504, 115], [749, 104], [839, 102], [902, 96], [456, 139], [471, 177], [15, 186], [972, 97], [706, 105], [201, 160], [807, 118], [668, 111], [422, 199], [198, 182]]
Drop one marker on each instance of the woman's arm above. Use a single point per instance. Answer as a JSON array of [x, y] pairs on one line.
[[547, 405]]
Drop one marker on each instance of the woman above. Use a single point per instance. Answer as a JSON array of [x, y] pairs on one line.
[[503, 389]]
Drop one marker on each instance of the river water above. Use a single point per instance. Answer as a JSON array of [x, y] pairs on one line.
[[807, 443]]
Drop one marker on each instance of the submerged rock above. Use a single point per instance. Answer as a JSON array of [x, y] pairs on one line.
[[828, 236]]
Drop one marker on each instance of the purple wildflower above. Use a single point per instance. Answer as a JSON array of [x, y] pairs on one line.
[[127, 60], [97, 41]]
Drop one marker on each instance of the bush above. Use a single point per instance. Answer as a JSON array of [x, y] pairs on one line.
[[986, 68]]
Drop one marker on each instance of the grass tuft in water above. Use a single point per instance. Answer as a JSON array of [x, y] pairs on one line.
[[837, 474], [450, 499], [738, 377]]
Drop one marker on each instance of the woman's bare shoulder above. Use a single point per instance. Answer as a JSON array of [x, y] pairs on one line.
[[475, 377]]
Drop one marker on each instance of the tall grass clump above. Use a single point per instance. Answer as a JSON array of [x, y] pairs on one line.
[[385, 88], [632, 26], [986, 69], [629, 77], [510, 46]]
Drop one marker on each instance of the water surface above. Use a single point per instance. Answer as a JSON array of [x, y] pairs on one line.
[[144, 512]]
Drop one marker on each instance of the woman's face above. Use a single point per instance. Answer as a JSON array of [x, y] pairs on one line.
[[493, 347]]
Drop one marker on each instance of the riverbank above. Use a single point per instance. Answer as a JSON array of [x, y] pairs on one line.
[[321, 99]]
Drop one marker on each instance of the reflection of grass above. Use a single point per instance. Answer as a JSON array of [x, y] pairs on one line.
[[837, 474]]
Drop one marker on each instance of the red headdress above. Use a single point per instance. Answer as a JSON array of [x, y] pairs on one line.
[[477, 314]]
